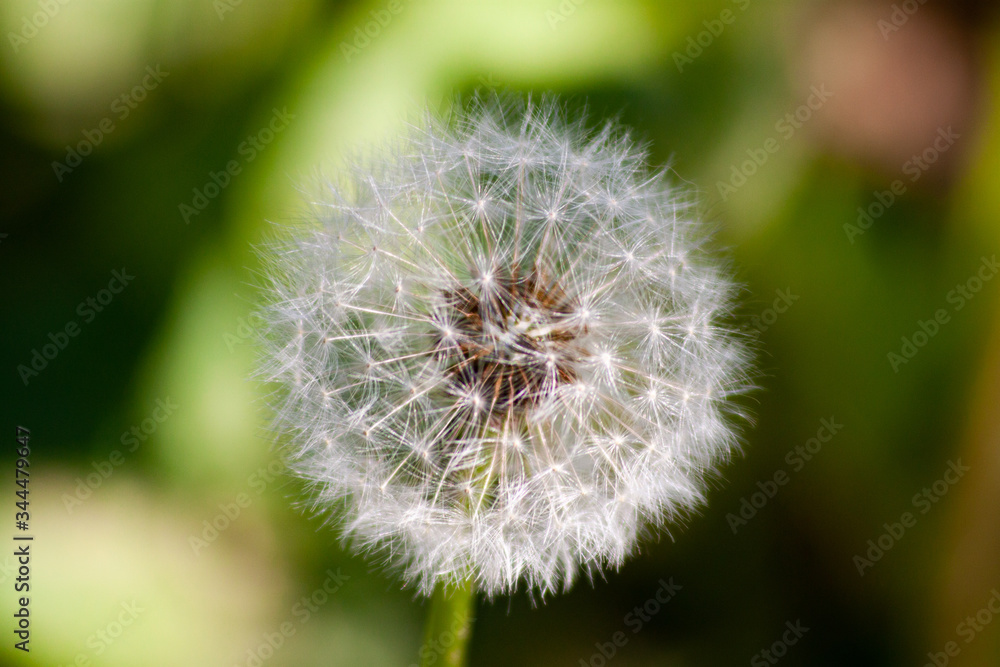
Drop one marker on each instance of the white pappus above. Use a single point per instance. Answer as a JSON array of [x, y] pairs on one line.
[[500, 348]]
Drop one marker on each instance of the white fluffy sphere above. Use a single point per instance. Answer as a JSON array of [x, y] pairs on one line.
[[501, 349]]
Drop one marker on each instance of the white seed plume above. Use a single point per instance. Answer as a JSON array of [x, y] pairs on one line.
[[500, 349]]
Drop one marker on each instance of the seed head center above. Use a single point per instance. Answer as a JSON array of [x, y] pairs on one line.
[[513, 341]]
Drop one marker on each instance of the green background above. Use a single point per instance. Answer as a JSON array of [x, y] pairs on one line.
[[708, 86]]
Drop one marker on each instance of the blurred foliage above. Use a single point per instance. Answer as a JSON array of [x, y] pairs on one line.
[[703, 84]]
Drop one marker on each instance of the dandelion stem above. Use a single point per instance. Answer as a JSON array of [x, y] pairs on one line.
[[449, 625]]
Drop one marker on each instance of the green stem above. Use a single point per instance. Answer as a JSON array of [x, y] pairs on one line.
[[449, 625]]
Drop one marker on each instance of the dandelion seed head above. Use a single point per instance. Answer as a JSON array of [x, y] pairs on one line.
[[501, 349]]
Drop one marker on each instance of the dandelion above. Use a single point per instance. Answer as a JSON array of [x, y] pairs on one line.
[[501, 350]]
